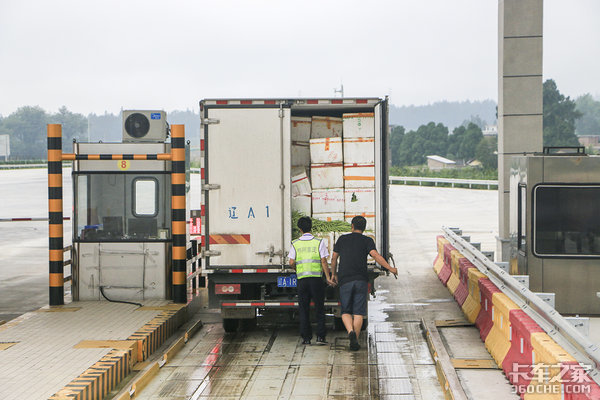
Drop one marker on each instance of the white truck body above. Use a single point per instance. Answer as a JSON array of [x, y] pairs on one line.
[[247, 171]]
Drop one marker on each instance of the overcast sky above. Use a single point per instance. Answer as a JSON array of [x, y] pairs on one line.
[[94, 56]]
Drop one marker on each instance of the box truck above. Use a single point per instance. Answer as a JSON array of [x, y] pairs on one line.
[[259, 157]]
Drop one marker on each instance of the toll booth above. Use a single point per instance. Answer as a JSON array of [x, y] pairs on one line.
[[122, 214], [555, 226]]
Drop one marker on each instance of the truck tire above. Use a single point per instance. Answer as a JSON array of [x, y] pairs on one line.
[[230, 325]]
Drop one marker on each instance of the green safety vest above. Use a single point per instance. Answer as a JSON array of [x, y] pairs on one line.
[[308, 258]]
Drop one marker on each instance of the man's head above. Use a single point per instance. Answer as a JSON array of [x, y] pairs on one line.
[[305, 224], [359, 223]]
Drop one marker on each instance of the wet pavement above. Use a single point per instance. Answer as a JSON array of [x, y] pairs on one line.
[[270, 362]]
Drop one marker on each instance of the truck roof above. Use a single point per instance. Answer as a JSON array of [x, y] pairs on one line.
[[312, 101]]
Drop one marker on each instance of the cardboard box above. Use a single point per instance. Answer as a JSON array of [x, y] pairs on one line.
[[359, 125], [325, 176], [370, 217], [328, 201], [301, 154], [359, 175], [300, 182], [324, 127], [329, 216], [329, 238], [301, 129], [326, 150], [358, 201], [358, 150], [302, 203]]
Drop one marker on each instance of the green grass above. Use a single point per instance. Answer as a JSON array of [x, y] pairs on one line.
[[456, 173]]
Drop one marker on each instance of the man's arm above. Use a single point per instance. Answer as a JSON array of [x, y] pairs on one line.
[[381, 261], [325, 268], [334, 258]]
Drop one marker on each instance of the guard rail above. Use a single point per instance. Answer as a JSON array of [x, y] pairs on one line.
[[451, 181]]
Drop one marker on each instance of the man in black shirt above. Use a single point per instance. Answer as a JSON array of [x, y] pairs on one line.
[[353, 250]]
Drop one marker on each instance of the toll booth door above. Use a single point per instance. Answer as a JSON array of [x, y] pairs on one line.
[[248, 197]]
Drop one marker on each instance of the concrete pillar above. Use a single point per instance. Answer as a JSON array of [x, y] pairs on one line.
[[519, 96]]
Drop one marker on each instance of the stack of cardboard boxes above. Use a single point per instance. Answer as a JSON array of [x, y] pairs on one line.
[[339, 156], [327, 168], [359, 167], [301, 188]]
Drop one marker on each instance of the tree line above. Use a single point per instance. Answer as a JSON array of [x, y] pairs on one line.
[[27, 129], [562, 116]]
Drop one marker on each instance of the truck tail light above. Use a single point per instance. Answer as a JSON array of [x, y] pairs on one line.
[[232, 288]]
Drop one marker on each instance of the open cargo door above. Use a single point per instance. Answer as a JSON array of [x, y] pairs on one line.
[[247, 192], [382, 178]]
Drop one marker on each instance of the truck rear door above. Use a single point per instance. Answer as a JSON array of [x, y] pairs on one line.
[[247, 191], [382, 177]]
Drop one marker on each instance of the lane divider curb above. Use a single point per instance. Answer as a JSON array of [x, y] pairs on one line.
[[151, 370]]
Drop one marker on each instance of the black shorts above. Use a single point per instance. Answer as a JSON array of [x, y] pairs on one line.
[[353, 296]]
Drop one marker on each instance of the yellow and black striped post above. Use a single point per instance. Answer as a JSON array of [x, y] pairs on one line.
[[55, 214], [178, 207]]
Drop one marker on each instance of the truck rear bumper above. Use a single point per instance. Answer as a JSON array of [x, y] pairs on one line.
[[245, 309]]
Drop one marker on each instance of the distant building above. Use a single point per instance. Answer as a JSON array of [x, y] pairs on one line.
[[589, 140], [5, 146], [436, 163], [475, 164], [490, 130]]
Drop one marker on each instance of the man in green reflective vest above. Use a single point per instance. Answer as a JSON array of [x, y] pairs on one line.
[[308, 255]]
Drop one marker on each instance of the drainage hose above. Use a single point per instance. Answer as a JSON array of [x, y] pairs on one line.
[[118, 301]]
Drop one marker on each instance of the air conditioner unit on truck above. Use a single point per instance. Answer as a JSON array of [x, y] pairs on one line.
[[268, 161]]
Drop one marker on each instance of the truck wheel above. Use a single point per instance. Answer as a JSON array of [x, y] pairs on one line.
[[230, 325], [338, 324]]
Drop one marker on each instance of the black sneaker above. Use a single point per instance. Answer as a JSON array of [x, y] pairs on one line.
[[321, 341], [354, 346], [306, 341]]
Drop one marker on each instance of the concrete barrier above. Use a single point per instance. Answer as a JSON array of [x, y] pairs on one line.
[[485, 319], [498, 340], [439, 259], [454, 279], [533, 362], [472, 305], [462, 291]]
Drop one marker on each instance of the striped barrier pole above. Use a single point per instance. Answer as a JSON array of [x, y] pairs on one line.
[[83, 157], [55, 215], [178, 207]]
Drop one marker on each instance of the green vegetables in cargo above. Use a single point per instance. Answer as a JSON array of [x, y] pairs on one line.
[[319, 226]]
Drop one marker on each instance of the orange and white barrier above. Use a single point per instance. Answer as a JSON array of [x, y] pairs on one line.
[[534, 363]]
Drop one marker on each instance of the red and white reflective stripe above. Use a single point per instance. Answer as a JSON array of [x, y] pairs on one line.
[[246, 270], [29, 219], [298, 101], [242, 102], [273, 304]]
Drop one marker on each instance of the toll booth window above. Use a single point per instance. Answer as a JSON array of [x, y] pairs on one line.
[[115, 207], [145, 197], [567, 221]]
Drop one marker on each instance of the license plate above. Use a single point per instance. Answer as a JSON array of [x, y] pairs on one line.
[[286, 281]]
